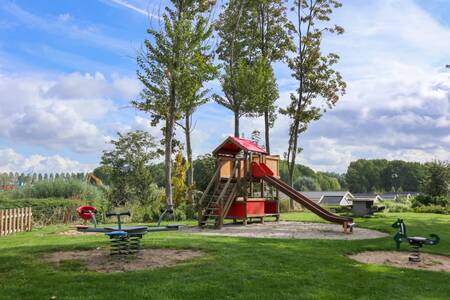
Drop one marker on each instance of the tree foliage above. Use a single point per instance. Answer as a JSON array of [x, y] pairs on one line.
[[172, 69], [233, 50], [130, 161], [319, 85], [268, 34], [437, 180]]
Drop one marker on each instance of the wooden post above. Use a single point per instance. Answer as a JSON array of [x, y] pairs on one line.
[[1, 222], [245, 185], [22, 219], [10, 221], [251, 175]]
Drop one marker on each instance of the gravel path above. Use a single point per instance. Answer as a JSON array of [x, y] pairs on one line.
[[289, 230]]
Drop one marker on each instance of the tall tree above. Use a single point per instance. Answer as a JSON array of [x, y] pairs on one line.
[[165, 70], [319, 85], [200, 70], [232, 51], [437, 182], [269, 36], [128, 165]]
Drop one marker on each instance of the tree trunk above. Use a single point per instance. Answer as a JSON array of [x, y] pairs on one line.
[[190, 170], [236, 124], [168, 148], [168, 165], [266, 131], [291, 159]]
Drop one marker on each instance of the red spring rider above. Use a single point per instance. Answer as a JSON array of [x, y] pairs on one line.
[[87, 213]]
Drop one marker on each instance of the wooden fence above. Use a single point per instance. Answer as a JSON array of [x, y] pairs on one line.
[[15, 220]]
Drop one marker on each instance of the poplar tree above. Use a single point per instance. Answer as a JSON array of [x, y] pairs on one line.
[[165, 68], [319, 85], [232, 51], [269, 35], [200, 70]]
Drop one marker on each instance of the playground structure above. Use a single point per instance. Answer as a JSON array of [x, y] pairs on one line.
[[246, 185], [94, 180], [415, 242], [123, 240]]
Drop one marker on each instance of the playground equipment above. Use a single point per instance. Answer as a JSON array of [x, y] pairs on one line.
[[123, 240], [415, 242], [246, 185]]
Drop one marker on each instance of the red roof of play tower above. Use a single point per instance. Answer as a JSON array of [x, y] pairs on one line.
[[232, 145]]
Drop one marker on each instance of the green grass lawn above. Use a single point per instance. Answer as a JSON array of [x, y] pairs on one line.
[[233, 268]]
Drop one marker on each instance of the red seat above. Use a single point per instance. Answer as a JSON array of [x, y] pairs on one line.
[[86, 212]]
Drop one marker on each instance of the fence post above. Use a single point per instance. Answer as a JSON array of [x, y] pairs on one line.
[[30, 219], [1, 222]]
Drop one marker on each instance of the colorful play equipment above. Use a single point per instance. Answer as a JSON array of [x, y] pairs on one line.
[[123, 240], [246, 185], [415, 242]]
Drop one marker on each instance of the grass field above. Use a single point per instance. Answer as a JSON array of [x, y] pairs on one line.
[[233, 268]]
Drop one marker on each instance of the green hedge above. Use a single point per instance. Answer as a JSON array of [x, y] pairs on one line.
[[47, 211], [72, 188]]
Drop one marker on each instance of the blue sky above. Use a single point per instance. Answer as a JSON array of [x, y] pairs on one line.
[[67, 73]]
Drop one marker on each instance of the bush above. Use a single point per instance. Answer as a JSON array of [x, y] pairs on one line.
[[435, 209], [427, 200], [71, 188], [391, 206]]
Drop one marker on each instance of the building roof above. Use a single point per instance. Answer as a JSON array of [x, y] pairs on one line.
[[367, 196], [233, 145], [329, 197]]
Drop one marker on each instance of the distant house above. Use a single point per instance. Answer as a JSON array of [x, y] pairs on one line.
[[368, 197], [330, 197], [341, 198], [397, 196]]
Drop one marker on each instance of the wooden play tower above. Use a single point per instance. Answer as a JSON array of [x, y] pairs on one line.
[[234, 193], [246, 184]]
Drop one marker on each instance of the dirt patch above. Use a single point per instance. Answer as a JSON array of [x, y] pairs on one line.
[[399, 259], [289, 230], [74, 232], [101, 261]]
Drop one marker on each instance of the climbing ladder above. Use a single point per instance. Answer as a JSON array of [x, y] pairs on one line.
[[220, 200]]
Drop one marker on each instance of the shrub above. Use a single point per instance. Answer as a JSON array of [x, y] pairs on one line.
[[397, 207], [71, 188], [284, 205], [426, 200], [435, 209]]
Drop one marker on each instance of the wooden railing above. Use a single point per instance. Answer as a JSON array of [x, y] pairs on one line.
[[15, 220]]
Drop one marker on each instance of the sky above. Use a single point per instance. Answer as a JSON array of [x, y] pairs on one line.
[[67, 75]]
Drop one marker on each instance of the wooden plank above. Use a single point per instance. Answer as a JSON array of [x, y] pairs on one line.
[[9, 222], [1, 222], [31, 218], [22, 218], [13, 220]]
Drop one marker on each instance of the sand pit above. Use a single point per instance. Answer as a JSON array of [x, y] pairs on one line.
[[101, 261], [289, 230], [430, 262]]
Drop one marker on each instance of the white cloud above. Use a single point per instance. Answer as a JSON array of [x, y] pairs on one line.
[[134, 8], [87, 86], [11, 161], [63, 112], [397, 104]]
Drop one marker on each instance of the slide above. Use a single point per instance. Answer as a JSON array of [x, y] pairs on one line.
[[262, 171]]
